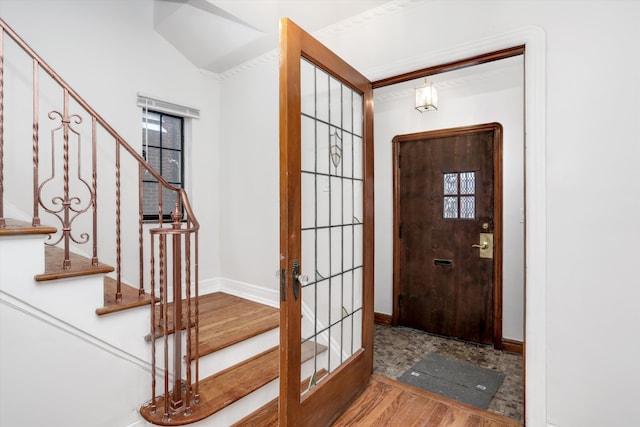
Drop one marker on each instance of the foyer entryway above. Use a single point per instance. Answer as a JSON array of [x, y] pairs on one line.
[[396, 349]]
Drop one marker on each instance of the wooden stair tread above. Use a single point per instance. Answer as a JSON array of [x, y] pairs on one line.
[[230, 385], [267, 415], [14, 227], [131, 297], [80, 266], [226, 320]]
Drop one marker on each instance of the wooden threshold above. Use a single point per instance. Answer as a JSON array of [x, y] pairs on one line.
[[80, 266], [228, 386], [388, 402], [14, 227]]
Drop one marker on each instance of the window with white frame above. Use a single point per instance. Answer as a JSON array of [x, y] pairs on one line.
[[163, 149], [165, 130]]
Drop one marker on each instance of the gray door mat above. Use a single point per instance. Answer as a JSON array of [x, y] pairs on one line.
[[461, 381]]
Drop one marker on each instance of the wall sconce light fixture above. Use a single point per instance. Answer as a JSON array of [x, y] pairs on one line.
[[426, 97]]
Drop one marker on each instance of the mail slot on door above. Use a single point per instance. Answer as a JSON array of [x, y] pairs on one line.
[[443, 262]]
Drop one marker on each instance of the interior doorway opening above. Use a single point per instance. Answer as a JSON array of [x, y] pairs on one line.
[[513, 341]]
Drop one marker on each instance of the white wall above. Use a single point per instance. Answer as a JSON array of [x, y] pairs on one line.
[[81, 381], [494, 96], [250, 208], [592, 150], [108, 52], [591, 174]]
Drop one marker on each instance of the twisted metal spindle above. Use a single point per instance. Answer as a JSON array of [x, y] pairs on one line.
[[66, 226], [118, 231], [94, 188], [35, 136]]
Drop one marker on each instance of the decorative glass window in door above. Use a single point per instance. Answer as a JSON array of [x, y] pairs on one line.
[[332, 228], [459, 195]]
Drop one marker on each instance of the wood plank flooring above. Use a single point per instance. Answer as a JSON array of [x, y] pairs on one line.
[[225, 320], [386, 402]]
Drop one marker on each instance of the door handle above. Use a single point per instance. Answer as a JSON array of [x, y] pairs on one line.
[[295, 275], [486, 245]]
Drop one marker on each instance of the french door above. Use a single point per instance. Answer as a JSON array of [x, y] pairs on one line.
[[326, 231]]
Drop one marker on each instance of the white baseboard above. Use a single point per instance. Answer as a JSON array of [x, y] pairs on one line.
[[260, 294]]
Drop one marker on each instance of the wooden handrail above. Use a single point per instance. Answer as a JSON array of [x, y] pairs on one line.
[[83, 103], [182, 244]]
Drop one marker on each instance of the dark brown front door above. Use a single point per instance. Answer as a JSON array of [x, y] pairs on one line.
[[447, 254]]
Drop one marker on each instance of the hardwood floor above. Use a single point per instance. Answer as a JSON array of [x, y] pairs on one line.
[[386, 402]]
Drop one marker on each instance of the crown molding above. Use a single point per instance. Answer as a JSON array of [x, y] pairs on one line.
[[347, 24]]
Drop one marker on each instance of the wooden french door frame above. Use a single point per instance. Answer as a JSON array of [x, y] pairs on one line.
[[325, 401], [497, 212]]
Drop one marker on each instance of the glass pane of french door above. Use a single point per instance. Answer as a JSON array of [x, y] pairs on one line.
[[332, 183]]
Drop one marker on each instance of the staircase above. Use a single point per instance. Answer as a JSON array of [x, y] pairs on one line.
[[79, 342], [238, 338]]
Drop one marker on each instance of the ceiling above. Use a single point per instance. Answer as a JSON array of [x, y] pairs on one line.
[[218, 35]]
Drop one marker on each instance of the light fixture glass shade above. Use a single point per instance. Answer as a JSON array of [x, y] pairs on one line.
[[426, 97]]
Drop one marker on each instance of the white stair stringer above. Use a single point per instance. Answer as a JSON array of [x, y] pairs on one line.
[[112, 345], [70, 300]]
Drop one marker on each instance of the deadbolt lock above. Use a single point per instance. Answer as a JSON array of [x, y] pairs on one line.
[[486, 245]]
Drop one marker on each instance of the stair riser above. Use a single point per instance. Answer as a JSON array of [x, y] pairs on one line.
[[222, 359], [20, 258]]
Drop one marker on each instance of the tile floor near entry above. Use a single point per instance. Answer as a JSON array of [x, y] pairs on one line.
[[398, 349]]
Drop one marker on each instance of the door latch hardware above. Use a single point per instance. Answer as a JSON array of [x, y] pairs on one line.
[[486, 245], [295, 274]]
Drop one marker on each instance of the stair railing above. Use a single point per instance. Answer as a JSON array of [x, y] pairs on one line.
[[62, 193]]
